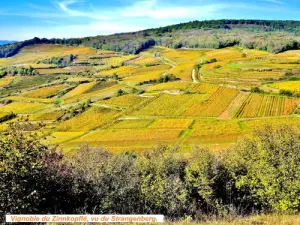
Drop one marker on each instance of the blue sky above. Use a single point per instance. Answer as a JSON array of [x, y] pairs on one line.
[[24, 19]]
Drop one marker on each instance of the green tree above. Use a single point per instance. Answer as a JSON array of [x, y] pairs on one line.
[[266, 169], [33, 178], [114, 179], [162, 182], [120, 92], [206, 183]]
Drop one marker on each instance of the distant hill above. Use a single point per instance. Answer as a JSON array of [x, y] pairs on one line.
[[273, 36], [4, 42]]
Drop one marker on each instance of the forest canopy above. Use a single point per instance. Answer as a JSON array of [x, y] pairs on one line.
[[273, 36]]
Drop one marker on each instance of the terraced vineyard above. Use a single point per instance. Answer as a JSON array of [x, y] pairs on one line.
[[215, 105], [264, 106], [133, 102]]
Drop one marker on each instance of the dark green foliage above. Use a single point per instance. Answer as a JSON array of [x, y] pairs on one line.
[[260, 174], [74, 110], [274, 36], [60, 61], [9, 50], [266, 169], [164, 78], [114, 179], [290, 93], [206, 183], [5, 101], [256, 90], [288, 74], [20, 70], [163, 172], [7, 117], [286, 92], [120, 92], [33, 178], [3, 72]]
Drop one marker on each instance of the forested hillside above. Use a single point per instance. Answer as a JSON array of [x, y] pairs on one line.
[[272, 36]]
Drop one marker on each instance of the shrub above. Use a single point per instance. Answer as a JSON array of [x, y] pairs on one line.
[[206, 183], [162, 182], [260, 173], [33, 178], [266, 171], [114, 180]]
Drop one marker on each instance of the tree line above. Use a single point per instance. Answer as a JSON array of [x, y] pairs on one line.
[[260, 174], [274, 36]]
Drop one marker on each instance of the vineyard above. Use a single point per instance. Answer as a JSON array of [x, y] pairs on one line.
[[91, 119], [133, 102], [45, 92], [293, 86], [265, 106], [215, 105], [80, 89]]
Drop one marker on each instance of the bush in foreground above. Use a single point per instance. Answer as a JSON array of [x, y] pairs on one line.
[[259, 175]]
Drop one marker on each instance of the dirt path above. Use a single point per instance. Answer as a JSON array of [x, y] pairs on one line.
[[194, 77], [235, 104], [167, 61]]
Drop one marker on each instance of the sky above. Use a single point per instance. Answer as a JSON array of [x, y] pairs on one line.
[[25, 19]]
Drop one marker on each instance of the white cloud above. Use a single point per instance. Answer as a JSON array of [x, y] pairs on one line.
[[279, 2], [150, 9], [65, 7], [144, 9]]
